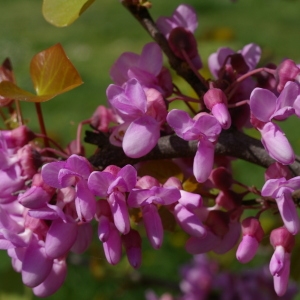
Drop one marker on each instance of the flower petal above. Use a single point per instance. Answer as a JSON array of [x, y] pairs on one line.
[[141, 136], [262, 104], [204, 160]]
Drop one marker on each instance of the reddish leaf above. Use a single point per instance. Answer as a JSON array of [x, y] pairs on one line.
[[52, 72]]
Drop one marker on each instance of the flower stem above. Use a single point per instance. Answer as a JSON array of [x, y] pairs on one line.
[[41, 122]]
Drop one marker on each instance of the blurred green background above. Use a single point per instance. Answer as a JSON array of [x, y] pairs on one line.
[[93, 43]]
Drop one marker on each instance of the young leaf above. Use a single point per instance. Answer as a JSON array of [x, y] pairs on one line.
[[64, 12], [52, 73], [12, 91]]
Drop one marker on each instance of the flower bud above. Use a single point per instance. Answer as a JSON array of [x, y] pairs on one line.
[[221, 178], [252, 236], [132, 243], [286, 71], [216, 101], [181, 40], [276, 171], [17, 137]]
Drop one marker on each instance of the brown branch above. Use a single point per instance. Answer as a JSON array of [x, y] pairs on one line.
[[231, 143]]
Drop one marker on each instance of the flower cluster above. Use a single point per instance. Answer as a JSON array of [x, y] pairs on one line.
[[50, 197]]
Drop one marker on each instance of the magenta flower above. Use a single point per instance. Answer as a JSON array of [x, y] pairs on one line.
[[147, 68], [205, 129], [36, 265], [185, 212], [148, 199], [283, 242], [108, 234], [183, 16], [276, 144], [132, 242], [114, 187], [142, 116], [216, 101], [251, 54], [286, 71], [281, 190], [252, 236], [266, 106], [73, 172], [53, 281], [223, 231], [179, 29], [38, 194]]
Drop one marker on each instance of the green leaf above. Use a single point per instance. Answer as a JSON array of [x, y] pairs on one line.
[[64, 12], [52, 73]]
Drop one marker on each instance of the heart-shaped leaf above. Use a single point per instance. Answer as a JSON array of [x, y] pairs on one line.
[[64, 12], [52, 74]]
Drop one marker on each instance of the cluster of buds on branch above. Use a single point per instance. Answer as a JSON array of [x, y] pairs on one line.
[[50, 197]]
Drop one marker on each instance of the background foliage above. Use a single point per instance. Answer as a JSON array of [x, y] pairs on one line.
[[93, 43]]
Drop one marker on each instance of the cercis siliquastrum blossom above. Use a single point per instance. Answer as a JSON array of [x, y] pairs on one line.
[[265, 107], [142, 113], [47, 210], [203, 128]]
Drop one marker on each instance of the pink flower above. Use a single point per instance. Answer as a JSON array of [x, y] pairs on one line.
[[143, 113], [283, 242], [114, 186], [74, 171], [252, 236], [222, 59], [147, 68], [147, 199], [179, 29], [205, 129], [183, 16], [281, 190]]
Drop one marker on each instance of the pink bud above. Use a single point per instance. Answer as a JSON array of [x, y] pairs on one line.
[[189, 221], [229, 199], [153, 225], [18, 137], [147, 182], [214, 96], [252, 235], [113, 246], [132, 242], [282, 237], [173, 182], [286, 71], [36, 265], [60, 238], [39, 193], [221, 113], [181, 40], [54, 280], [102, 117], [277, 170], [84, 238], [221, 178], [276, 144], [30, 160]]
